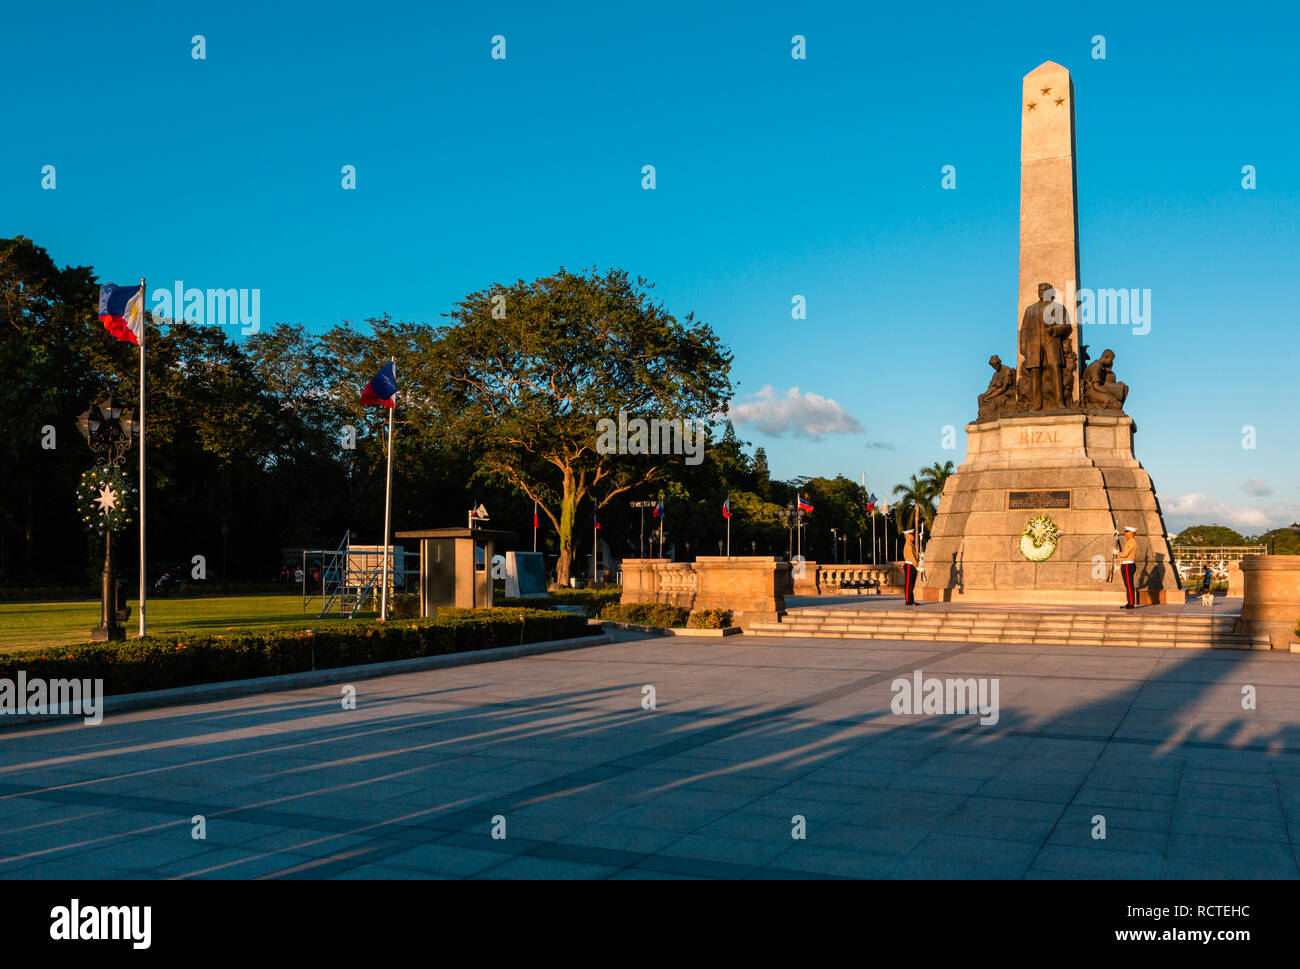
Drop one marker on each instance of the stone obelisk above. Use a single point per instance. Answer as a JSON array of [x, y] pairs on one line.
[[1049, 477], [1049, 195]]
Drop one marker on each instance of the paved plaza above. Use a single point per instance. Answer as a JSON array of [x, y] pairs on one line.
[[747, 733]]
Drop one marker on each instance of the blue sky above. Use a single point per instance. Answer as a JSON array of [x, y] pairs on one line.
[[775, 177]]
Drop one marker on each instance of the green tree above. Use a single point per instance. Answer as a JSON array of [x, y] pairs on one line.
[[1209, 535], [525, 372], [1282, 541]]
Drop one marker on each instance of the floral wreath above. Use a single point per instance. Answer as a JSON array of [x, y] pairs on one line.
[[105, 499], [1038, 540]]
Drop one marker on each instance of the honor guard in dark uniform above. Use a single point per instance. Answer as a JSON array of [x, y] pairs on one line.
[[909, 566], [1128, 566]]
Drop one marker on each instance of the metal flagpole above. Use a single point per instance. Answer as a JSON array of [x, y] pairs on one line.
[[388, 503], [728, 526], [143, 569]]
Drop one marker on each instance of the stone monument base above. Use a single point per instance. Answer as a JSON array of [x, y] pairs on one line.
[[1079, 470]]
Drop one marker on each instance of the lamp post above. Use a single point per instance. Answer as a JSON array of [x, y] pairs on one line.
[[835, 546], [108, 434], [643, 505]]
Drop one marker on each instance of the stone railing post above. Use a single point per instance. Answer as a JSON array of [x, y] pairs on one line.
[[1271, 598]]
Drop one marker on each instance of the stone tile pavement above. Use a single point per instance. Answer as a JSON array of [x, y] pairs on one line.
[[747, 733]]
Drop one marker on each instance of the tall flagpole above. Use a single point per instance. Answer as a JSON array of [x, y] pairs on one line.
[[143, 572], [388, 503]]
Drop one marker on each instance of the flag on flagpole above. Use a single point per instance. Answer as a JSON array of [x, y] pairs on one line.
[[659, 510], [871, 503], [382, 386], [121, 310], [535, 521], [805, 504], [726, 507], [595, 520]]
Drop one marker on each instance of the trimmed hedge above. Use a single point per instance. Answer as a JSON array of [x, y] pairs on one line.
[[593, 600], [161, 662], [647, 614], [709, 619]]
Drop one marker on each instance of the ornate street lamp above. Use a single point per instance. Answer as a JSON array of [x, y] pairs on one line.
[[104, 497]]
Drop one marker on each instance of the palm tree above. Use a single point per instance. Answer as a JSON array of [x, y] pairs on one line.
[[934, 477], [912, 494]]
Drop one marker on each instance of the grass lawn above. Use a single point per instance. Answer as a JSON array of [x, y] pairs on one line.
[[34, 625]]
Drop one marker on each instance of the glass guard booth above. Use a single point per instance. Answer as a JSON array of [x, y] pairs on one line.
[[456, 566]]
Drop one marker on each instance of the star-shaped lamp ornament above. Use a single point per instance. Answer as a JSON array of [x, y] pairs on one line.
[[107, 499]]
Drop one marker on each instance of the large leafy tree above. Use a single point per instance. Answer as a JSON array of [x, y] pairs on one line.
[[525, 372]]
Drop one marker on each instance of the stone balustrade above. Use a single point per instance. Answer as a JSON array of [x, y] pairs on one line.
[[832, 579]]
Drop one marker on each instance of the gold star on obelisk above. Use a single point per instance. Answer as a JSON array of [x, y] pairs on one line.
[[1047, 90], [107, 499], [1032, 105], [1060, 101]]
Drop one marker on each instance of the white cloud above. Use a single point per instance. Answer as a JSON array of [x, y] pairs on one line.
[[1200, 509], [798, 414], [1257, 488]]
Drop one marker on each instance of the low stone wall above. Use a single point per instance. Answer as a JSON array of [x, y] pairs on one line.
[[751, 587], [1271, 597]]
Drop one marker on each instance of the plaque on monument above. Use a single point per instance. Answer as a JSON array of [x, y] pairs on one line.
[[1038, 499]]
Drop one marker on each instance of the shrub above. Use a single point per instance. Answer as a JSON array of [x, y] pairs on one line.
[[592, 600], [405, 606], [161, 662], [709, 619], [647, 614]]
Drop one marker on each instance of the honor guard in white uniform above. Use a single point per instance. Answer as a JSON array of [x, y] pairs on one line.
[[909, 566], [1128, 566]]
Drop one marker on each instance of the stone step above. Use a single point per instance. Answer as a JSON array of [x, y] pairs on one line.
[[1022, 629]]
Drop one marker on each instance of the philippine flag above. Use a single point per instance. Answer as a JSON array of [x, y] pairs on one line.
[[534, 516], [121, 310], [805, 504], [659, 510], [382, 386], [595, 521], [726, 507]]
